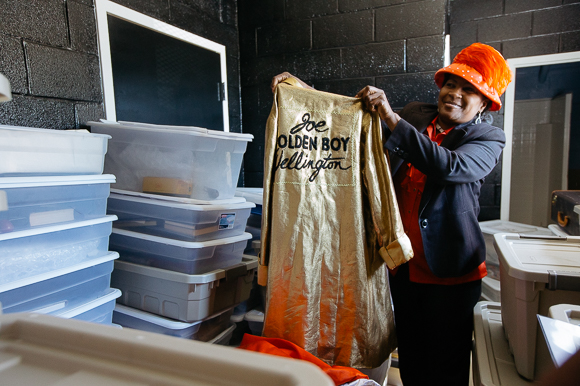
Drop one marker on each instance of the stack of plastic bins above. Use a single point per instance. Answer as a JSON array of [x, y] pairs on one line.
[[54, 231], [490, 285], [536, 274], [181, 231]]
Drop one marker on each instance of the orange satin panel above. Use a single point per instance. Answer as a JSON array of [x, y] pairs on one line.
[[330, 227]]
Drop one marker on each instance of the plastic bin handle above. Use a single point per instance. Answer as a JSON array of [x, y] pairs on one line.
[[236, 271], [569, 281], [543, 237]]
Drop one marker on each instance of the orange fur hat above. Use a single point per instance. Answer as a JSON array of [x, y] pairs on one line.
[[482, 66]]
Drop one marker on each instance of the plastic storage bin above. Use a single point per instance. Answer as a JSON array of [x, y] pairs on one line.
[[493, 364], [490, 289], [176, 255], [35, 251], [174, 220], [490, 228], [536, 273], [28, 202], [255, 319], [561, 331], [30, 151], [180, 296], [61, 290], [196, 163], [204, 331], [41, 349], [99, 310]]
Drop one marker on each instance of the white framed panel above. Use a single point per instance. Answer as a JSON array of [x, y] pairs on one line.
[[509, 103], [105, 8]]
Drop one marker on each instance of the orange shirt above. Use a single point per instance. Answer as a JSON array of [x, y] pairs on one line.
[[409, 184]]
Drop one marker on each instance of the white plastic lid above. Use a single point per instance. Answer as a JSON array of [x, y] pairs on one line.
[[79, 133], [183, 200], [183, 244], [255, 195], [153, 319], [531, 258], [178, 277], [180, 205], [28, 182], [499, 226], [111, 295], [254, 316]]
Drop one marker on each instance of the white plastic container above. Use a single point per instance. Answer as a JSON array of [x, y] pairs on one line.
[[188, 222], [99, 310], [204, 331], [491, 289], [493, 364], [224, 338], [206, 161], [31, 151], [536, 273], [255, 319], [490, 228], [180, 296], [41, 250], [29, 202], [41, 349], [60, 290], [176, 255]]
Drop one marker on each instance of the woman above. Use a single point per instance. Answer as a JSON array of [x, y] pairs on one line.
[[439, 156]]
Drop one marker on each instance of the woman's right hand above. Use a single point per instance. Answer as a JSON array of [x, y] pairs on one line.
[[282, 77]]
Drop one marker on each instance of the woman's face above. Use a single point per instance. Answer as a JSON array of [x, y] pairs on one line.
[[459, 102]]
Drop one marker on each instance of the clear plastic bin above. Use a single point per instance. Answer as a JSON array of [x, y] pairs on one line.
[[30, 202], [180, 296], [536, 273], [98, 311], [61, 290], [188, 222], [490, 228], [42, 349], [200, 164], [176, 255], [36, 251], [32, 151]]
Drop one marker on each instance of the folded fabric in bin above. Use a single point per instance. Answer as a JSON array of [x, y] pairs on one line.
[[209, 160]]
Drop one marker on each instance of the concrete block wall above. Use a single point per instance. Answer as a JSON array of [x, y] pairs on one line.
[[516, 28], [338, 46], [49, 52]]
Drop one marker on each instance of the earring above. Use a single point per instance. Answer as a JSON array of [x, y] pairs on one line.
[[478, 119]]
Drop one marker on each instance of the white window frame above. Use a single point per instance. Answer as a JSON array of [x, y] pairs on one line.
[[103, 8], [508, 126]]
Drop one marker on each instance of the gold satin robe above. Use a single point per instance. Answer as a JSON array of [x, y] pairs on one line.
[[330, 221]]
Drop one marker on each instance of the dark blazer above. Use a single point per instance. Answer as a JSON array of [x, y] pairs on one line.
[[455, 171]]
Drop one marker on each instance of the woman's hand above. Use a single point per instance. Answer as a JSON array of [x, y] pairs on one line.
[[374, 99], [282, 77]]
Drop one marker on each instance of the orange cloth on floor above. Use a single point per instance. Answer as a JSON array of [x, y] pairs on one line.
[[283, 348]]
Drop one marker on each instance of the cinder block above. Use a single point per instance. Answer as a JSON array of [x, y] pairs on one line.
[[346, 87], [85, 2], [512, 6], [425, 54], [359, 5], [570, 41], [85, 112], [488, 213], [562, 19], [505, 27], [61, 73], [497, 117], [373, 59], [463, 34], [424, 18], [42, 21], [209, 7], [83, 28], [342, 30], [38, 112], [235, 108], [284, 37], [311, 8], [464, 10], [261, 69], [158, 9], [230, 12], [312, 65], [255, 180], [255, 13], [12, 63], [405, 88], [535, 45]]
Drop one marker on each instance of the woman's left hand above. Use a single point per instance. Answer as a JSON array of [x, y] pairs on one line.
[[374, 99]]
